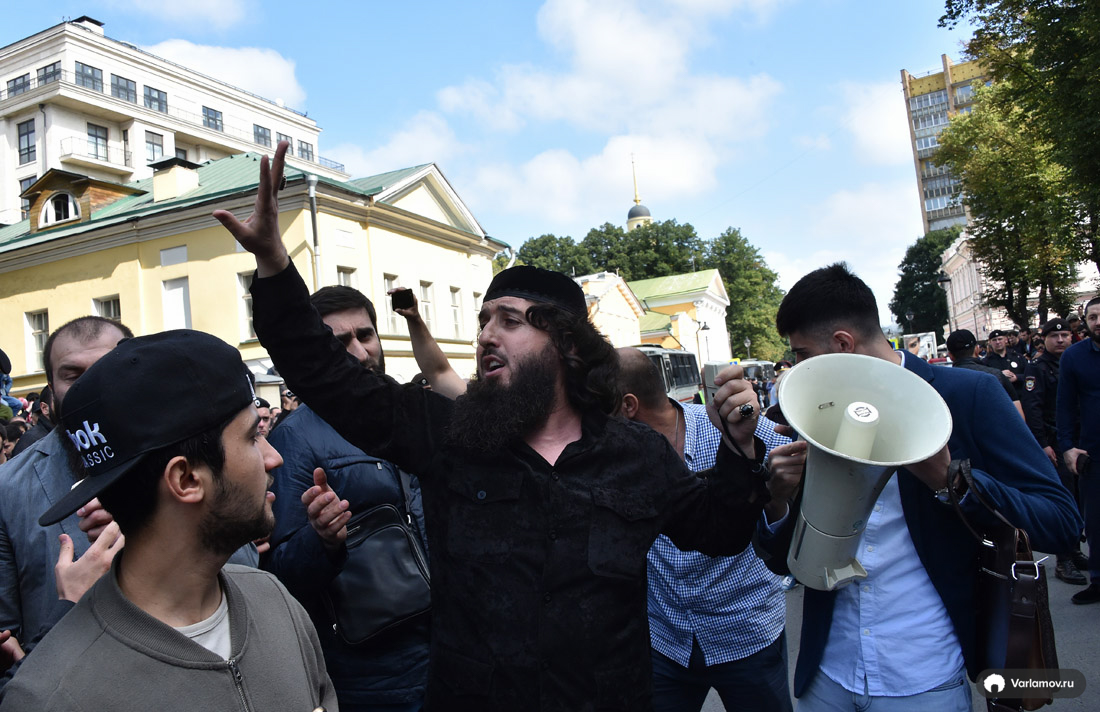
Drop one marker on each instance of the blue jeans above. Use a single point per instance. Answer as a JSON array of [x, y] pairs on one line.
[[758, 682], [824, 695]]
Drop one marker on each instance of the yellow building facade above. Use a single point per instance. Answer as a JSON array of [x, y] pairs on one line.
[[156, 259]]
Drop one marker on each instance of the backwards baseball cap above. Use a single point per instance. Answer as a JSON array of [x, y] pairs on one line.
[[114, 414], [538, 285], [959, 340], [1056, 324]]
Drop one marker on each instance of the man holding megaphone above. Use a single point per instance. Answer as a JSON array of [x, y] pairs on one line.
[[903, 634]]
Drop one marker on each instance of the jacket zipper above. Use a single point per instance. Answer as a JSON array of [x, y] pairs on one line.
[[237, 679]]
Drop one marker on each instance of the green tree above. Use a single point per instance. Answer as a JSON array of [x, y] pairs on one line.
[[753, 291], [559, 254], [653, 250], [1047, 54], [917, 289], [1024, 227]]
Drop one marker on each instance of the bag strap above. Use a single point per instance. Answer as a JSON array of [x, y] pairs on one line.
[[405, 479]]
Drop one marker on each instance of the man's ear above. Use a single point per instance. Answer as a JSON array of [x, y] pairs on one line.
[[185, 482], [844, 342], [630, 406]]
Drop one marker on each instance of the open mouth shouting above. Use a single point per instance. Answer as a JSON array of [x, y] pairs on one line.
[[491, 365]]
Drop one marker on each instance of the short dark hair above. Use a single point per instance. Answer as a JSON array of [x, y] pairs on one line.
[[828, 299], [83, 329], [1092, 302], [639, 375], [132, 500], [337, 297], [590, 362]]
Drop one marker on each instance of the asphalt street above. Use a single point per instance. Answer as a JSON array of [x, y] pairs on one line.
[[1076, 629]]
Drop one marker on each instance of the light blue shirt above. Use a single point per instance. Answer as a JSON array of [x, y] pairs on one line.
[[732, 605]]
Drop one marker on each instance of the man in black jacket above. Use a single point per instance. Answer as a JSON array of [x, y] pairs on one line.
[[962, 348], [43, 423], [541, 507]]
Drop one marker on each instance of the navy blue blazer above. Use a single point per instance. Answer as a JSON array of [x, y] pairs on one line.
[[1009, 468]]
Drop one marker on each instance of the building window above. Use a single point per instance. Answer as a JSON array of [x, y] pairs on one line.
[[89, 77], [177, 304], [154, 147], [261, 135], [477, 307], [38, 330], [181, 153], [97, 142], [305, 150], [19, 84], [345, 276], [49, 73], [123, 88], [456, 311], [27, 151], [108, 307], [173, 256], [244, 285], [212, 119], [283, 137], [389, 283], [59, 208], [426, 303], [25, 208], [156, 100]]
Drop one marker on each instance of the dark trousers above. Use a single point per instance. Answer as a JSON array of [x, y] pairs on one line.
[[1089, 484], [758, 682], [1070, 482]]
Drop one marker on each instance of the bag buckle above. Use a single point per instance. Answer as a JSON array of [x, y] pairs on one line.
[[1034, 564]]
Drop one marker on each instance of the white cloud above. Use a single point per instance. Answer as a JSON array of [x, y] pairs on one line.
[[558, 190], [869, 227], [820, 142], [876, 117], [217, 13], [426, 138], [261, 71]]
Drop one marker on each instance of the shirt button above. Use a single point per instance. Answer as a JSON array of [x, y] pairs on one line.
[[547, 597], [481, 494], [866, 589], [870, 548], [554, 476], [553, 535], [878, 507], [866, 631]]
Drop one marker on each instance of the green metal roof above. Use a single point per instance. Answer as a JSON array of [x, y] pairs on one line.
[[654, 321], [673, 284], [227, 176]]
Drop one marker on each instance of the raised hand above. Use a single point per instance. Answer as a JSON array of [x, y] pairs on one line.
[[735, 403], [259, 233], [327, 513]]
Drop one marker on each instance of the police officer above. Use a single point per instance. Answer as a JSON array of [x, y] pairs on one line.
[[962, 348], [1007, 361], [1039, 400]]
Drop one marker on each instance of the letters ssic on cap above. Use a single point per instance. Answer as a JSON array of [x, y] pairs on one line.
[[90, 439]]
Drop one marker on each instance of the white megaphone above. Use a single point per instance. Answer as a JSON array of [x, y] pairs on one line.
[[862, 417]]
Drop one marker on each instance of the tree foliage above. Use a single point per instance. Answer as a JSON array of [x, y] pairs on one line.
[[917, 289], [1024, 226], [663, 248], [1046, 53]]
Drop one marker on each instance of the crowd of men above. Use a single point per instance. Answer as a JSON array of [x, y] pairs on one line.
[[593, 545]]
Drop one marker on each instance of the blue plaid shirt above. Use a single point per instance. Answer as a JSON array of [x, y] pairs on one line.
[[732, 605]]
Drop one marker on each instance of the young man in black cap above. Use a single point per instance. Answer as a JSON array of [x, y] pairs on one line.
[[1040, 409], [962, 348], [540, 507], [168, 628]]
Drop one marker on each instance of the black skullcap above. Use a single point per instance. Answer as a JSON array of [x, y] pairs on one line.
[[539, 285]]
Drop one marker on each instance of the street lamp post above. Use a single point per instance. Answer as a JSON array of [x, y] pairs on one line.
[[944, 281], [909, 319], [748, 348]]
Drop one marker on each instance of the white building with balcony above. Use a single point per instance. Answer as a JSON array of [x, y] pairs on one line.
[[73, 99]]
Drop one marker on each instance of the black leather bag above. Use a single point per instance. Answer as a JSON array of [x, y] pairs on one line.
[[1012, 610], [385, 580]]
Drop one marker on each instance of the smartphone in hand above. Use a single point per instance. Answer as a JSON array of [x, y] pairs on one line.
[[403, 299]]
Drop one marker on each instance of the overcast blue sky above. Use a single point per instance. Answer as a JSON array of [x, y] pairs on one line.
[[783, 118]]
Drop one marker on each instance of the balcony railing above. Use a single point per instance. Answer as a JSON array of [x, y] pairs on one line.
[[85, 148], [66, 78]]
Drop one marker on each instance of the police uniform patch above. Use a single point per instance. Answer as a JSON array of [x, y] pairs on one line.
[[1029, 383]]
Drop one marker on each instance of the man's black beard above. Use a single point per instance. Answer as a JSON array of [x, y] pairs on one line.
[[234, 520], [490, 415]]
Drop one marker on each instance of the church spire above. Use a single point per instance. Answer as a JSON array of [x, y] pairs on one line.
[[634, 171], [639, 214]]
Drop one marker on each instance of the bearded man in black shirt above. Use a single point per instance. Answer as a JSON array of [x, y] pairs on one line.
[[540, 506]]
